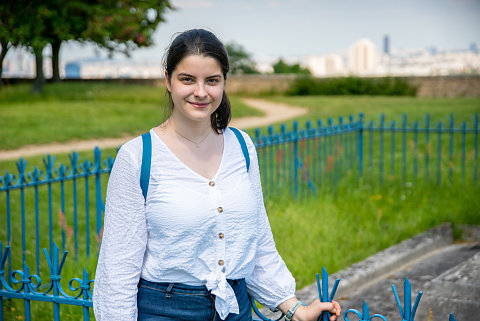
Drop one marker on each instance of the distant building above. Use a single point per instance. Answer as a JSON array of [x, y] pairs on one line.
[[72, 70], [363, 57], [386, 44], [473, 48], [326, 66]]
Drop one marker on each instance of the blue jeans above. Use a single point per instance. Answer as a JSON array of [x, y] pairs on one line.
[[176, 301]]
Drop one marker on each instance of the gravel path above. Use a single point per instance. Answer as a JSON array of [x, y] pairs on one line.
[[274, 112]]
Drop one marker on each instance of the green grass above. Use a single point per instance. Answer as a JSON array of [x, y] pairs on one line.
[[346, 221], [78, 111], [323, 107], [345, 225]]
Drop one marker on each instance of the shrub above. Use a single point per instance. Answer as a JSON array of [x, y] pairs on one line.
[[386, 86]]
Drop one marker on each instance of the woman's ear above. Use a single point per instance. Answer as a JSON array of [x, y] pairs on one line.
[[167, 82]]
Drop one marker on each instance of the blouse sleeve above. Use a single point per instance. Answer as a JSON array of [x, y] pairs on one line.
[[270, 283], [124, 240]]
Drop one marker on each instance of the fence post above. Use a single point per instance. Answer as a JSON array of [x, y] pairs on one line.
[[35, 177], [382, 129], [404, 147], [74, 172], [271, 144], [61, 171], [48, 162], [360, 144], [98, 191], [475, 166], [392, 149], [295, 157], [415, 149], [464, 134], [21, 165], [427, 146], [450, 152], [439, 152], [8, 184], [319, 151]]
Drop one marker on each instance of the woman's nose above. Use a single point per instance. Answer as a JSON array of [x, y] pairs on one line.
[[200, 90]]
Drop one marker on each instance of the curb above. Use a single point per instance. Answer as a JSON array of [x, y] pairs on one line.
[[384, 262]]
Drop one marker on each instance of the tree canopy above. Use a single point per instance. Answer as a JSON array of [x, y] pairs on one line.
[[116, 25], [240, 60], [281, 67]]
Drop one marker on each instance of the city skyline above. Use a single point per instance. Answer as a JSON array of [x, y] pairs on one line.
[[287, 28]]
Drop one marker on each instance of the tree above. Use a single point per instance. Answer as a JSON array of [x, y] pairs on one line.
[[67, 20], [125, 25], [12, 31], [240, 60], [281, 67]]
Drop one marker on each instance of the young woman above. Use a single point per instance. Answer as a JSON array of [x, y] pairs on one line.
[[200, 241]]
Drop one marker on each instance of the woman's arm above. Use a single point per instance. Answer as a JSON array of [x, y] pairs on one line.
[[124, 240], [271, 283]]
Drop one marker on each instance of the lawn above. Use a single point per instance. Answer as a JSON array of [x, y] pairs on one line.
[[79, 111], [439, 109], [346, 221]]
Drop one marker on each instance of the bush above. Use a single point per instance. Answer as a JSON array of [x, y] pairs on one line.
[[386, 86]]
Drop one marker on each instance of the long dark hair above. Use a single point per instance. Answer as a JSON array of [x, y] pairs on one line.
[[204, 43]]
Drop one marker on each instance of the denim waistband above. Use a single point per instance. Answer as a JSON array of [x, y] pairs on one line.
[[168, 286]]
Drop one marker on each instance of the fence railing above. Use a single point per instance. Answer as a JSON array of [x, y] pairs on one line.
[[295, 161], [29, 288]]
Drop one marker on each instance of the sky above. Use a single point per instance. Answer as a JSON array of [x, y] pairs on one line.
[[286, 28]]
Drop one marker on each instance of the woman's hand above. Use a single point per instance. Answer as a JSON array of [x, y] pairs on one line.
[[313, 311]]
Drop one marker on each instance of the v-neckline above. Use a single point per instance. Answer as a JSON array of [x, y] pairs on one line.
[[220, 166]]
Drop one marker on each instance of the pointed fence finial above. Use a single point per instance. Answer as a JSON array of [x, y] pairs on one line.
[[323, 292], [407, 313]]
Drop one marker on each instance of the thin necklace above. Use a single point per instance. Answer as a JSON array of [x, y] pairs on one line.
[[197, 144]]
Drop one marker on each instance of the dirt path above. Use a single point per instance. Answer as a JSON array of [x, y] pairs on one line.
[[274, 112]]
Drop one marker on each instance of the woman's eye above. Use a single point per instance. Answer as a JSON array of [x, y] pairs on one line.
[[213, 81], [186, 80]]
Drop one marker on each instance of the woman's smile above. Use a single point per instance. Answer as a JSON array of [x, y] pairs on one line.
[[198, 105]]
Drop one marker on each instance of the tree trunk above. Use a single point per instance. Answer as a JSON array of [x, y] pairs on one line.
[[39, 81], [5, 46], [55, 60]]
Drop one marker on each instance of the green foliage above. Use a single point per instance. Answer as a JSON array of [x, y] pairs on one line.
[[281, 67], [385, 86], [240, 60], [125, 25]]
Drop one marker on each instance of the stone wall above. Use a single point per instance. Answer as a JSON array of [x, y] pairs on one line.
[[437, 86], [447, 86]]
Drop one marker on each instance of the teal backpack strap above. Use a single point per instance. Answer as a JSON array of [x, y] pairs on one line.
[[243, 144], [146, 163]]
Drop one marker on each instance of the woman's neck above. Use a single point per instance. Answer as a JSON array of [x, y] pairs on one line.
[[194, 131]]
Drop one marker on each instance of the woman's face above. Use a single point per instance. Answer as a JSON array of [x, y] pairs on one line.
[[196, 86]]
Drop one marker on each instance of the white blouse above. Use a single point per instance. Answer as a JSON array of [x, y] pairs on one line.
[[192, 230]]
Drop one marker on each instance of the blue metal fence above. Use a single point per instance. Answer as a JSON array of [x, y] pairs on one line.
[[294, 161]]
